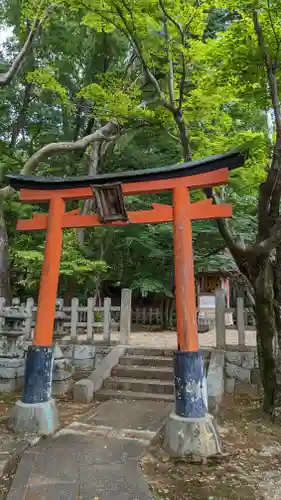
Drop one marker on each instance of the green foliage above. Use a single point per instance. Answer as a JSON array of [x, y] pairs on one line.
[[75, 267], [44, 78], [88, 68]]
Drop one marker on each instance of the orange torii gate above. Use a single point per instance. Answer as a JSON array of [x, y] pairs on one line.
[[109, 191]]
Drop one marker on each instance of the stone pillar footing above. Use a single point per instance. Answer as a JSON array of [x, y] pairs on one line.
[[40, 419], [191, 437]]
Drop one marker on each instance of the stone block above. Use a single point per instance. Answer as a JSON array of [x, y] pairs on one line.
[[104, 368], [233, 357], [67, 350], [248, 360], [61, 386], [215, 381], [11, 374], [19, 383], [81, 356], [256, 377], [62, 370], [12, 367], [83, 391], [229, 385], [187, 437], [8, 385], [40, 419], [84, 363], [238, 372]]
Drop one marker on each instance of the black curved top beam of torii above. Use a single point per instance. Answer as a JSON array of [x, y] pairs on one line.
[[230, 160]]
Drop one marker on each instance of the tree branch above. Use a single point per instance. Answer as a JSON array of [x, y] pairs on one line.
[[169, 60], [20, 121], [266, 246], [105, 133], [182, 37], [151, 78], [270, 190], [6, 78], [277, 39], [272, 81], [256, 250]]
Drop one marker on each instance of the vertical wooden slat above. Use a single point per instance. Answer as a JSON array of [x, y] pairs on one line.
[[137, 316], [2, 305], [150, 316], [125, 316], [107, 319], [74, 318], [144, 316], [220, 318], [157, 316], [28, 324], [90, 317], [240, 321]]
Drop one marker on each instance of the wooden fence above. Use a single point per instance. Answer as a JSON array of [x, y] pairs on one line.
[[96, 323], [148, 316], [244, 319], [88, 319]]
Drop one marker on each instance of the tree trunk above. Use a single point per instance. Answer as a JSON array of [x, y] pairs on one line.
[[5, 290], [266, 330], [261, 275]]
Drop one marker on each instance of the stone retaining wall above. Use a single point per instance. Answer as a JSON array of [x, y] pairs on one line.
[[240, 366]]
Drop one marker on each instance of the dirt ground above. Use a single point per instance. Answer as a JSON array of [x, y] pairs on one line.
[[250, 467]]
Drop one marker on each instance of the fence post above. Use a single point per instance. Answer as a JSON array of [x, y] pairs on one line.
[[220, 318], [2, 305], [157, 315], [107, 319], [240, 319], [28, 324], [74, 318], [125, 316], [150, 316], [143, 313], [90, 317]]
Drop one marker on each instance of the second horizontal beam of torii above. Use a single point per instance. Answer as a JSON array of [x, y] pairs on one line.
[[160, 213]]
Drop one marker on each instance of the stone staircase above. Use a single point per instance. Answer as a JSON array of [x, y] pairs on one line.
[[142, 373]]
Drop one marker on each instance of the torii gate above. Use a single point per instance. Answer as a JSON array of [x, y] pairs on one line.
[[179, 179]]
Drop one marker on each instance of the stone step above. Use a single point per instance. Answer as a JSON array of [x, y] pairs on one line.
[[150, 351], [138, 360], [139, 385], [105, 394], [165, 352], [143, 372]]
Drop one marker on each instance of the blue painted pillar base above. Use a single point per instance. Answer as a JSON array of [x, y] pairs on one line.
[[38, 375], [190, 384], [36, 414]]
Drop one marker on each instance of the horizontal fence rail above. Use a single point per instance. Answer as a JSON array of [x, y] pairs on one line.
[[149, 316], [88, 320]]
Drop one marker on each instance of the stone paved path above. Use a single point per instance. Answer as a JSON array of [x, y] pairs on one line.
[[94, 458], [168, 339]]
